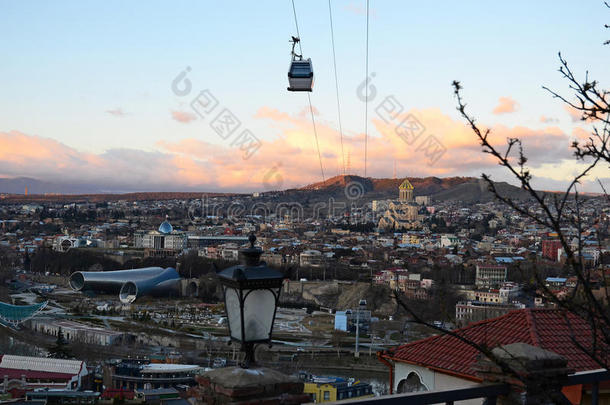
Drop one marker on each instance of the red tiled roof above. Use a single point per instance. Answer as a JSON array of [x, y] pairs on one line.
[[545, 328]]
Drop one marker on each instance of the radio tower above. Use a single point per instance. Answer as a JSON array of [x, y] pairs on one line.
[[394, 168], [349, 164]]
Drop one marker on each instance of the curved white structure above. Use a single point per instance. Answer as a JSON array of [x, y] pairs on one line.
[[129, 284]]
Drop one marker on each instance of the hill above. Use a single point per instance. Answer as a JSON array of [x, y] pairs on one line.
[[17, 185], [468, 189], [340, 188]]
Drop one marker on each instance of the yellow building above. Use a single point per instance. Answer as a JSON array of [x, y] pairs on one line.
[[403, 213], [411, 238], [328, 389]]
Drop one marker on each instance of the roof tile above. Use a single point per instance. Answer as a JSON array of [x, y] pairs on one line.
[[551, 329]]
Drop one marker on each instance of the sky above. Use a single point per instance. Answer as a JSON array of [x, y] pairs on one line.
[[135, 96]]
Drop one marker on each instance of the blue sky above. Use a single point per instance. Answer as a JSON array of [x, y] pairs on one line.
[[68, 63]]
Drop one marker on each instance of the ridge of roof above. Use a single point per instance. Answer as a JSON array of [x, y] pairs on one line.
[[551, 329], [531, 322], [470, 326]]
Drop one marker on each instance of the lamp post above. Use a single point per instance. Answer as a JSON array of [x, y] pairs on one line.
[[251, 293]]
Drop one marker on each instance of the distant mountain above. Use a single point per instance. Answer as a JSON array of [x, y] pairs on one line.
[[467, 189], [340, 188], [17, 185]]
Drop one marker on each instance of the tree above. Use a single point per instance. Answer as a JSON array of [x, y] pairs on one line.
[[60, 349], [556, 212], [338, 337]]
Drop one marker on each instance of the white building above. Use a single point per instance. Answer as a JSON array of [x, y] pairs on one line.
[[164, 238], [311, 258], [28, 373], [77, 332], [489, 276]]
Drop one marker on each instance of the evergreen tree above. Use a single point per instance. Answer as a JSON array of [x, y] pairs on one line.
[[60, 350]]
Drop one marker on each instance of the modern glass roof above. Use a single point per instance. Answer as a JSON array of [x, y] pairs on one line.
[[15, 314]]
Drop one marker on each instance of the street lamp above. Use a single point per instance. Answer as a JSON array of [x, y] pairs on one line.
[[251, 293]]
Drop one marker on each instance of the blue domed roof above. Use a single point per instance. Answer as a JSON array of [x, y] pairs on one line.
[[165, 227]]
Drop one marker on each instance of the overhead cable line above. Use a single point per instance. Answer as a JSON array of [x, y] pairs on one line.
[[332, 38], [366, 98], [313, 121]]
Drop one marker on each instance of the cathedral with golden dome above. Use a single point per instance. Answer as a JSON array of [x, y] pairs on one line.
[[403, 213]]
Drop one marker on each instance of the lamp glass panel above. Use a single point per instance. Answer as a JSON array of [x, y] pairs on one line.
[[233, 312], [259, 309]]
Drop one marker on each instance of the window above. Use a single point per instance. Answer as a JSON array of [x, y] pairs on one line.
[[327, 395]]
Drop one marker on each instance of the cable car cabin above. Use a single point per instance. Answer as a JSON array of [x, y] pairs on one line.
[[300, 75]]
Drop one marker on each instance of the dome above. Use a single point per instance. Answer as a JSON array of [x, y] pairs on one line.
[[165, 227], [406, 185]]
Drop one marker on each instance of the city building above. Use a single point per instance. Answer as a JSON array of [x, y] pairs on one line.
[[330, 389], [163, 241], [467, 312], [311, 258], [444, 362], [138, 375], [346, 320], [507, 292], [77, 332], [449, 240], [61, 397], [199, 242], [403, 213], [23, 373], [550, 249], [159, 396], [490, 276], [422, 200]]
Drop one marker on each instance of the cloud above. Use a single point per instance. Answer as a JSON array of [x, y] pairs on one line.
[[359, 10], [575, 115], [117, 112], [183, 116], [290, 155], [505, 105], [548, 120], [115, 169], [581, 135], [294, 150]]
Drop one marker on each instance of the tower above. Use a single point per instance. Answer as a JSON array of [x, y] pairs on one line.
[[349, 164], [405, 191]]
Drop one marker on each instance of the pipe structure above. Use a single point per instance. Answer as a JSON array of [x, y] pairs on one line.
[[129, 284]]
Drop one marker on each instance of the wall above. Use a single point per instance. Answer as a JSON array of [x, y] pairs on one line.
[[433, 381]]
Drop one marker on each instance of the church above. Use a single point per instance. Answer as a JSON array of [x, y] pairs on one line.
[[403, 213]]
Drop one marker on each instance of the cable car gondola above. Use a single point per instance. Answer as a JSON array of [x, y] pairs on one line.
[[300, 74]]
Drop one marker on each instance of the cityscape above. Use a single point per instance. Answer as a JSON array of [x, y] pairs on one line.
[[260, 250]]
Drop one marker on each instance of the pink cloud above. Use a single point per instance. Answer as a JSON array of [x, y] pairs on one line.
[[183, 116], [505, 105], [548, 120], [289, 155], [117, 112], [575, 115]]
